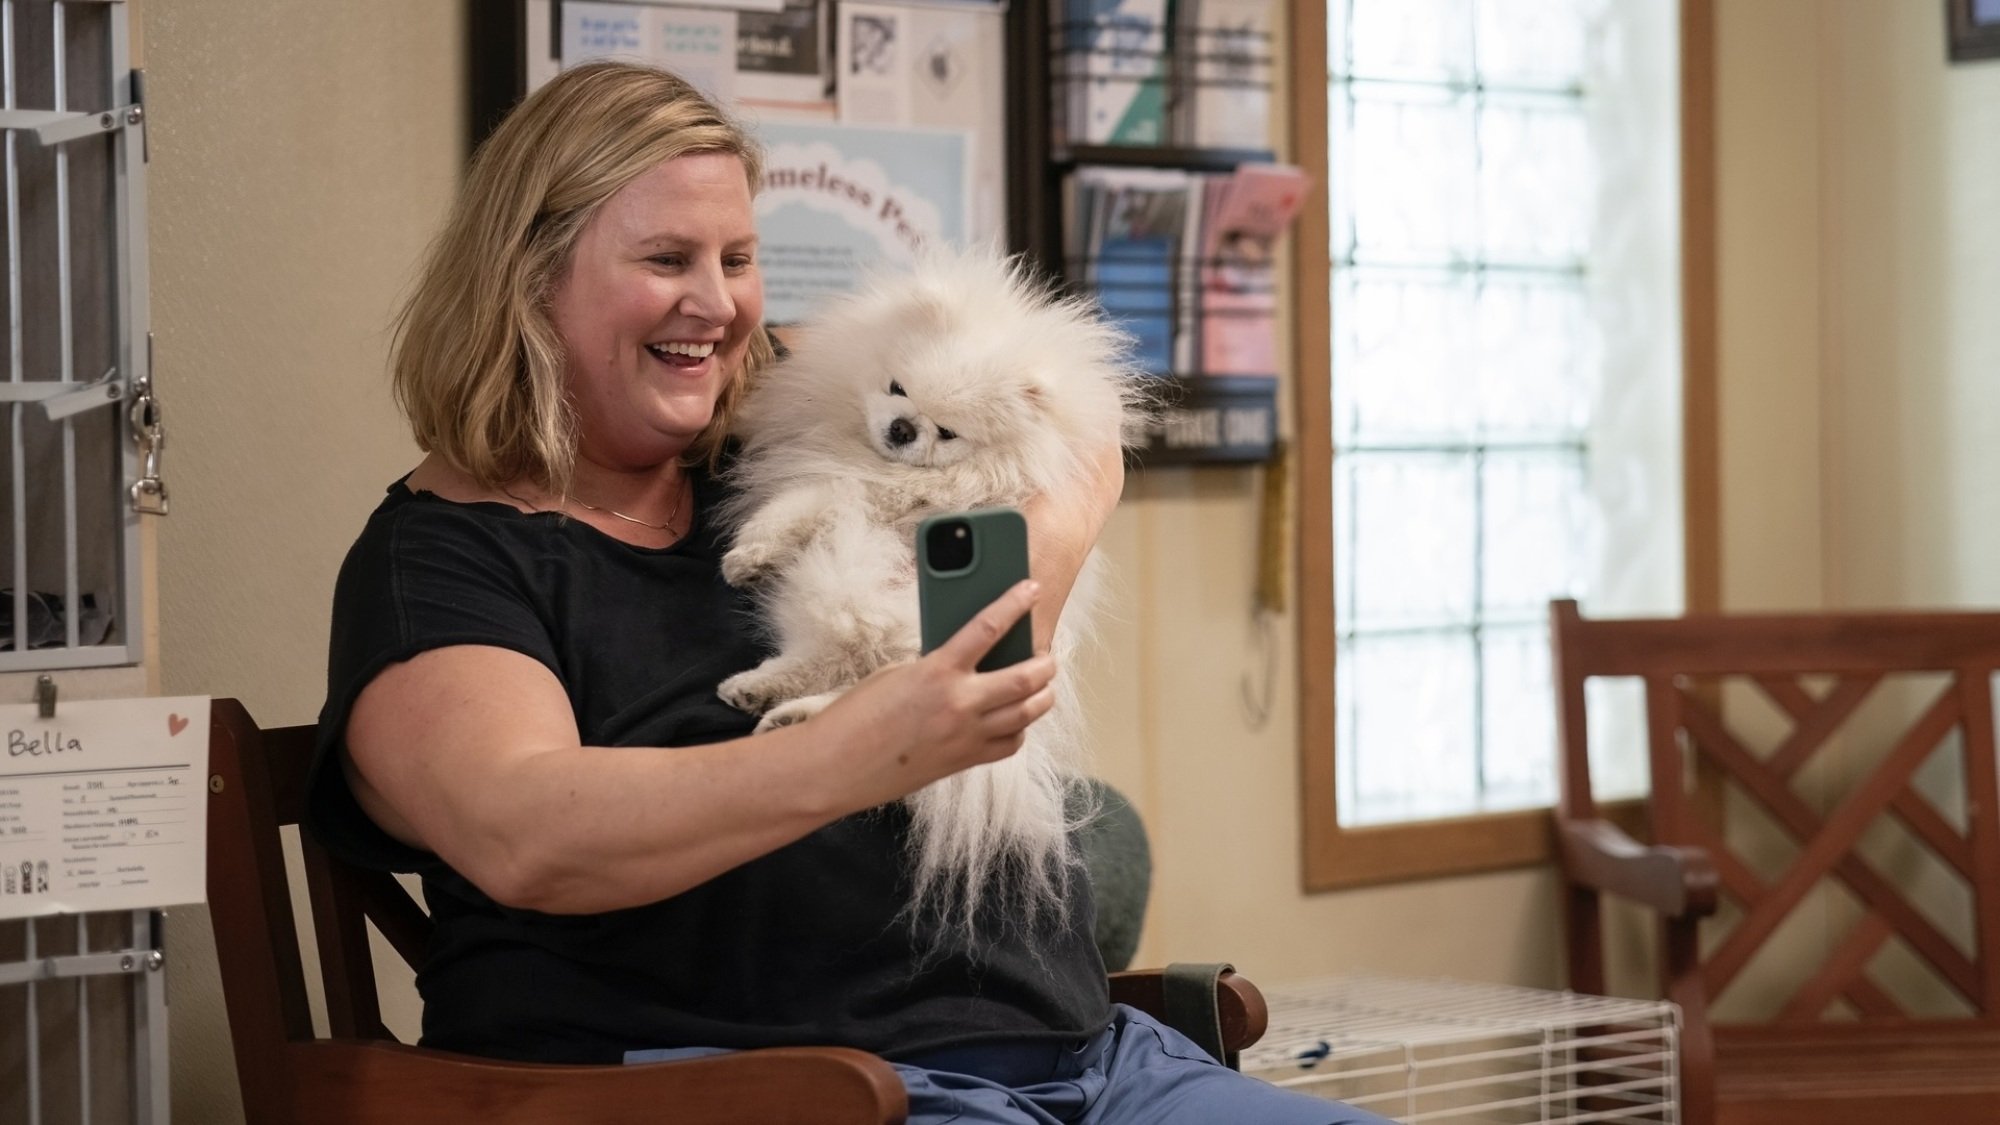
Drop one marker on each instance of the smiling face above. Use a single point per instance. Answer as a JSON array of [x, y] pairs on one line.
[[657, 307], [910, 432]]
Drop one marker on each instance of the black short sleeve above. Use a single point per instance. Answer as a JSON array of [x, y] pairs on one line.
[[422, 575]]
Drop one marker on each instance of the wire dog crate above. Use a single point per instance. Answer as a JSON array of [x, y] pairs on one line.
[[83, 1020], [1421, 1051]]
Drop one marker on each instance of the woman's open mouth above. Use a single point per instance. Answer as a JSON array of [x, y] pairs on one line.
[[677, 353]]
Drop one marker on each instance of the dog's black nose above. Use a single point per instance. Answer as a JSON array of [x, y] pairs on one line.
[[901, 432]]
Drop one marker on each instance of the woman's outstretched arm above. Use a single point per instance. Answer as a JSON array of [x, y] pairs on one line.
[[471, 752]]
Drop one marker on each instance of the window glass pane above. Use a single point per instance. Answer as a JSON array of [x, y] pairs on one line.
[[1406, 702], [1340, 174], [1427, 40], [1418, 204], [1402, 571], [1518, 705], [1534, 206], [1533, 513], [1538, 358], [1404, 347], [1538, 43], [1615, 712]]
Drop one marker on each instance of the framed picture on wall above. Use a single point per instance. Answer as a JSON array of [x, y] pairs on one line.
[[1973, 29]]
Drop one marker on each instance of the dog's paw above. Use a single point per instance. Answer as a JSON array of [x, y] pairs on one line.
[[748, 563], [794, 711], [748, 692]]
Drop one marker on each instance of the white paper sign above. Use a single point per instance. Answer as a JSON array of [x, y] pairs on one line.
[[605, 31], [699, 44], [104, 807], [873, 78]]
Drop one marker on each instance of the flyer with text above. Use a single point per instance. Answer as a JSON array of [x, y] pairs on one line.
[[103, 806]]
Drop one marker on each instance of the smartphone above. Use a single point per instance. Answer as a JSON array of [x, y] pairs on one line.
[[965, 561]]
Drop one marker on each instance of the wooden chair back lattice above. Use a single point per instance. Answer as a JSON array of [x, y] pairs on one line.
[[1836, 1019]]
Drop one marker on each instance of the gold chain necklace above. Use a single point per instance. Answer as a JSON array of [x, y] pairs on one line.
[[668, 527], [672, 515]]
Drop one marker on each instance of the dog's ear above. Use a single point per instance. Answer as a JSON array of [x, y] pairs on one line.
[[1036, 391]]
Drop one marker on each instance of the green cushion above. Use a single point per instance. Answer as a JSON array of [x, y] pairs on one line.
[[1120, 863]]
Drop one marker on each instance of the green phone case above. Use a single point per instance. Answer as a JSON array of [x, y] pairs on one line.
[[947, 598]]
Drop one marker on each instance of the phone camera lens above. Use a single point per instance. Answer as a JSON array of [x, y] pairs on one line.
[[948, 546]]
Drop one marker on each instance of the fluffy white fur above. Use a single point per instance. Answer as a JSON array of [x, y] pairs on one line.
[[1000, 392]]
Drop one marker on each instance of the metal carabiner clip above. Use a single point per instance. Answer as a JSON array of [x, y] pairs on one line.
[[149, 492]]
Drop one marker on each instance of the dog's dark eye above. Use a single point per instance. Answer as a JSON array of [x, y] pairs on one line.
[[945, 435], [896, 388]]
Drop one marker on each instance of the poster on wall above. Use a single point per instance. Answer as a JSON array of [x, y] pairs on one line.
[[838, 199]]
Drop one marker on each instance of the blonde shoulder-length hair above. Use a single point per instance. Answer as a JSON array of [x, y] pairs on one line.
[[477, 363]]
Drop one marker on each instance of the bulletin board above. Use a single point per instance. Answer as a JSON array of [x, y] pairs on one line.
[[882, 122]]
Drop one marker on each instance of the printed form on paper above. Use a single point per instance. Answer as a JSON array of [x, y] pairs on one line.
[[104, 806]]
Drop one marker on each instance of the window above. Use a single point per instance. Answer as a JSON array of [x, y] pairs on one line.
[[1497, 415]]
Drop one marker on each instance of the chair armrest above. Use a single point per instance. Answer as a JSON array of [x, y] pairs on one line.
[[355, 1082], [1676, 881], [1241, 1006]]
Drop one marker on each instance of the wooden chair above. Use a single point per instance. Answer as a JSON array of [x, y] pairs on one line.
[[359, 1074], [1842, 1047]]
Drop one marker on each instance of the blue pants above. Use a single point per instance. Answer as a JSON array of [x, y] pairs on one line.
[[1136, 1072]]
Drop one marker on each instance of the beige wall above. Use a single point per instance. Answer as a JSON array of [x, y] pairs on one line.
[[1768, 66], [1911, 313], [303, 150], [1861, 261]]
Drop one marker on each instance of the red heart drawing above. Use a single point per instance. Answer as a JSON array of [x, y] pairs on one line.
[[175, 725]]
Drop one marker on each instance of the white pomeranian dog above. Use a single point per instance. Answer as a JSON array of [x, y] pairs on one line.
[[960, 384]]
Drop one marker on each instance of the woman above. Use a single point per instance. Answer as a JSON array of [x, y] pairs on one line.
[[535, 611]]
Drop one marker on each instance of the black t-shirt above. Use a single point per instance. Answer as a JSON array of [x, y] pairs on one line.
[[805, 945]]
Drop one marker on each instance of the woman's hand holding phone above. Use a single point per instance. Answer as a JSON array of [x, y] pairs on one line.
[[910, 724]]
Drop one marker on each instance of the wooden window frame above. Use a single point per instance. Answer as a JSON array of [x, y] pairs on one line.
[[1336, 857]]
